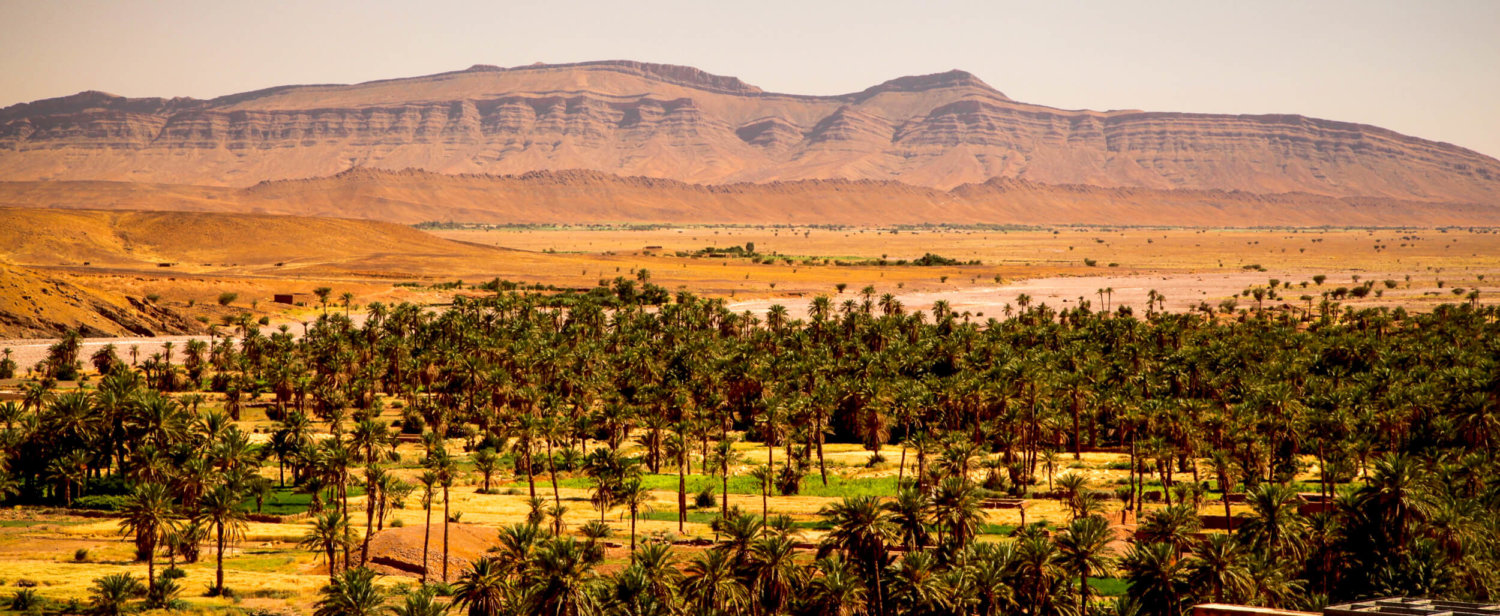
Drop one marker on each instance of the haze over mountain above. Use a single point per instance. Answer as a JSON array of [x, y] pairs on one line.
[[660, 121]]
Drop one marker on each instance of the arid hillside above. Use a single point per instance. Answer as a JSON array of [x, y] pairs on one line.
[[204, 242], [34, 304], [673, 122], [590, 197]]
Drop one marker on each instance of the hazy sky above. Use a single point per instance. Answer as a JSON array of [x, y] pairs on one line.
[[1425, 68]]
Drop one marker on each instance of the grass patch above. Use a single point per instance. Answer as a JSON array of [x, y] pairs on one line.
[[1109, 587], [838, 486], [287, 501]]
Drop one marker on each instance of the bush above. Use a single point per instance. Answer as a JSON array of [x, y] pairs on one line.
[[704, 499], [397, 523], [97, 502], [24, 600], [164, 593], [173, 573], [81, 555], [226, 298]]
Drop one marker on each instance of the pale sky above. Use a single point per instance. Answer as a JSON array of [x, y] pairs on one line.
[[1425, 68]]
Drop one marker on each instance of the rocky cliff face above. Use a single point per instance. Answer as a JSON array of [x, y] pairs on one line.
[[680, 123]]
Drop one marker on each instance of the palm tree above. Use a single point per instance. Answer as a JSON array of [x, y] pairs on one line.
[[1176, 526], [518, 544], [110, 593], [148, 514], [421, 602], [1218, 563], [486, 462], [1395, 497], [837, 589], [1084, 549], [563, 582], [446, 469], [482, 589], [712, 586], [774, 572], [352, 593], [635, 497], [917, 587], [429, 479], [861, 531], [909, 513], [220, 508], [956, 511], [1158, 580], [327, 535], [1273, 527]]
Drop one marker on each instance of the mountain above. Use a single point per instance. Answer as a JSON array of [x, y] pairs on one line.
[[412, 196], [670, 122]]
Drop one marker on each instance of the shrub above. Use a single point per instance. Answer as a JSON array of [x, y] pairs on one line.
[[704, 499], [100, 502], [110, 594], [24, 600], [173, 573], [163, 593], [397, 523], [81, 555], [226, 298]]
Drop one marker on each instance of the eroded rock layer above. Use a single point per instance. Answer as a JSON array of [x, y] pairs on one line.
[[636, 119]]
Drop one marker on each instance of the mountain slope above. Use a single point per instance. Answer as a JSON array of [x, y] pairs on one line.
[[591, 197], [37, 305], [680, 123], [213, 242]]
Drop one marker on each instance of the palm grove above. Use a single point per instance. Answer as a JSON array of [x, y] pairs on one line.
[[1394, 414]]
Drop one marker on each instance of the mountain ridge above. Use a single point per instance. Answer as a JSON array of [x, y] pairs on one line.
[[628, 118], [588, 196]]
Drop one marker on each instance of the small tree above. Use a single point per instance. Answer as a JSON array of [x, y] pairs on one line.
[[485, 461]]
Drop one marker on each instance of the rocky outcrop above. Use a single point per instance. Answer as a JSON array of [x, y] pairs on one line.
[[681, 123]]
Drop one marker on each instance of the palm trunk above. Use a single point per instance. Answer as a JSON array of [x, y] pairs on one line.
[[151, 562], [1077, 437], [901, 468], [530, 481], [344, 499], [681, 481], [219, 563], [426, 537], [765, 488], [1083, 594], [724, 478], [818, 427], [445, 534], [552, 474], [364, 552]]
